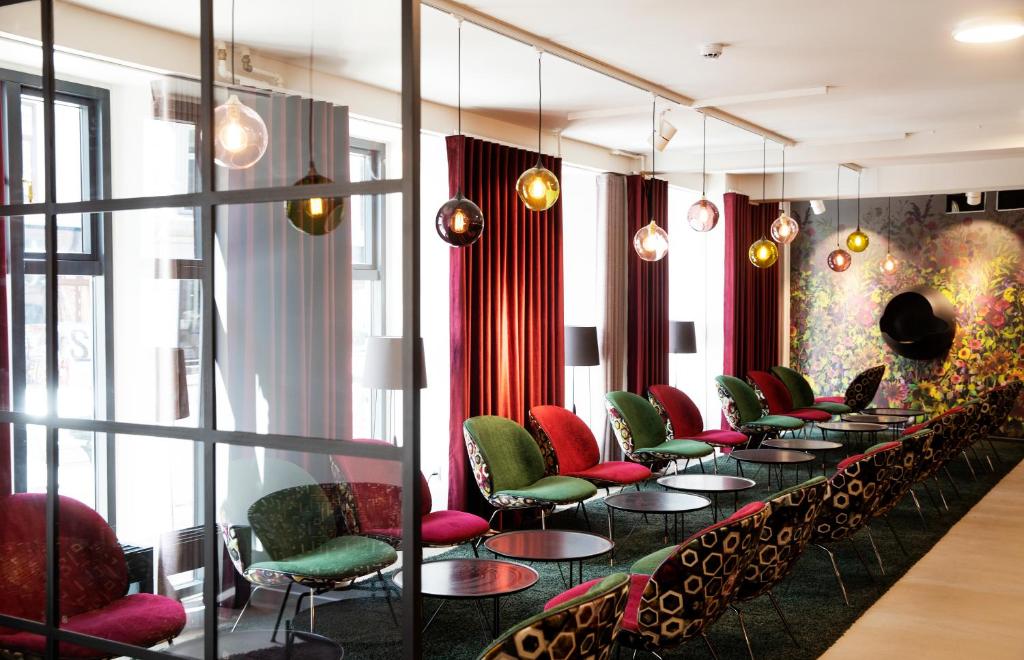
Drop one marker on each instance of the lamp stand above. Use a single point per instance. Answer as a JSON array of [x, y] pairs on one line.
[[572, 389]]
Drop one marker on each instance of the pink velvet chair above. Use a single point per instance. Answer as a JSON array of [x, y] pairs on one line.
[[775, 395], [570, 449], [683, 420], [94, 596]]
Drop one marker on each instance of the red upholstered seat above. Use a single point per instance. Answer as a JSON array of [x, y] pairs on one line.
[[619, 472], [440, 528], [780, 401], [683, 418], [829, 399], [721, 438], [810, 414]]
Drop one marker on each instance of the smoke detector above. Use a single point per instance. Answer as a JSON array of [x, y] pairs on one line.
[[711, 51]]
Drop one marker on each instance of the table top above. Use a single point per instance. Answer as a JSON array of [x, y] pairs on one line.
[[801, 444], [897, 412], [707, 483], [852, 426], [548, 545], [774, 456], [473, 578], [875, 419], [652, 501]]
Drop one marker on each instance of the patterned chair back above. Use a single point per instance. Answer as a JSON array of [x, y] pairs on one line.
[[740, 402], [785, 535], [678, 412], [951, 429], [861, 391], [293, 520], [799, 389], [502, 454], [855, 491], [636, 423], [694, 585], [915, 450], [582, 628], [1002, 400], [565, 440]]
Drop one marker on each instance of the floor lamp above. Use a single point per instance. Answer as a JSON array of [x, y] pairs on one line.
[[383, 371], [682, 338], [581, 351]]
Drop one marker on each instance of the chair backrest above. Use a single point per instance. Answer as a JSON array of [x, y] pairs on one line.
[[914, 450], [93, 571], [293, 520], [855, 490], [772, 391], [799, 389], [950, 428], [636, 423], [861, 391], [785, 534], [1001, 401], [566, 442], [502, 454], [678, 412], [694, 585], [739, 401], [584, 627]]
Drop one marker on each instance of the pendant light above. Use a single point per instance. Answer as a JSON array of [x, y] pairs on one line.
[[538, 186], [651, 241], [763, 253], [459, 221], [857, 240], [838, 259], [703, 215], [889, 265], [785, 228], [315, 216], [240, 134]]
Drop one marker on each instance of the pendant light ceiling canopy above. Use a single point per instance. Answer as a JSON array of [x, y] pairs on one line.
[[538, 186], [838, 259], [763, 253], [651, 241], [240, 134], [785, 228], [703, 214]]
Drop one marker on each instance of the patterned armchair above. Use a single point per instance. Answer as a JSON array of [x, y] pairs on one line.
[[803, 393], [570, 449], [914, 452], [748, 414], [683, 421], [510, 470], [583, 627], [1001, 401], [776, 398], [862, 389], [641, 433], [954, 429], [93, 582]]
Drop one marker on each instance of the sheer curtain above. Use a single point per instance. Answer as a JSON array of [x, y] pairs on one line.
[[614, 247]]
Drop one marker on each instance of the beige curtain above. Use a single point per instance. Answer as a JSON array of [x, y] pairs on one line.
[[613, 245]]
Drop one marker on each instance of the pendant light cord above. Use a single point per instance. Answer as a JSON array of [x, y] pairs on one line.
[[858, 201], [783, 201], [839, 171], [764, 168], [888, 230], [704, 160], [232, 42], [540, 97], [650, 189], [312, 32], [458, 78]]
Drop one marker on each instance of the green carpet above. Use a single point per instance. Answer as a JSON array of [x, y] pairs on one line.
[[809, 597]]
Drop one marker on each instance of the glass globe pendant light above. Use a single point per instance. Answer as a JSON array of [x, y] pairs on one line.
[[459, 221], [240, 134], [785, 228], [651, 241], [703, 214], [538, 186], [889, 265], [762, 252], [857, 240], [838, 259], [315, 216]]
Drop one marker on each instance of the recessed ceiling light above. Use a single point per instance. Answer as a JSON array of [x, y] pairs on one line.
[[989, 30]]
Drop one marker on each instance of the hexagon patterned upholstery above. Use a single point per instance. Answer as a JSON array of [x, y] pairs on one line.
[[582, 627], [856, 489], [682, 418], [915, 449], [950, 428], [862, 389]]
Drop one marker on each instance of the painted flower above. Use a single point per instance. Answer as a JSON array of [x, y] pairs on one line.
[[956, 379], [1009, 295], [975, 344], [995, 318], [964, 354]]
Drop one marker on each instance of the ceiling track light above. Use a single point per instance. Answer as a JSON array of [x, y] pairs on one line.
[[666, 131]]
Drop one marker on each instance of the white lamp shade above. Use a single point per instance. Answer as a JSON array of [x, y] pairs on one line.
[[383, 370]]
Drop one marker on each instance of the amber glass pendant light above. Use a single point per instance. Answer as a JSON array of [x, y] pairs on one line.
[[315, 216], [838, 259], [785, 228], [538, 186], [240, 134], [889, 265], [703, 214], [763, 253], [857, 240], [651, 241], [459, 221]]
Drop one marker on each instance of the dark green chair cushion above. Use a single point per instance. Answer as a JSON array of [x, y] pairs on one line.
[[648, 563], [513, 459], [555, 489], [779, 422], [339, 559], [799, 388], [293, 521], [832, 407], [645, 424], [681, 448], [744, 398]]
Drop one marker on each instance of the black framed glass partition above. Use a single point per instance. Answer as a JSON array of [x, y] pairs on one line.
[[179, 394]]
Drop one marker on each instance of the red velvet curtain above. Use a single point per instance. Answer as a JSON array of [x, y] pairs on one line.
[[647, 336], [506, 309], [751, 294]]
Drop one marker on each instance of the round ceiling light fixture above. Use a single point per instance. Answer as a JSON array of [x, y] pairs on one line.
[[989, 30]]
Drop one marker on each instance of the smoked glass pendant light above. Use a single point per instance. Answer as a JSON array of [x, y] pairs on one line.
[[763, 253], [857, 240], [315, 216], [889, 265], [838, 259], [703, 214], [240, 134], [538, 186], [651, 241], [459, 221], [785, 228]]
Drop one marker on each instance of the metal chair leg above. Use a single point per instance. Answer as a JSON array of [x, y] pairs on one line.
[[995, 452], [970, 466], [860, 558], [701, 463], [952, 482], [874, 548], [280, 611], [942, 494], [711, 648], [928, 492], [244, 607], [896, 536], [586, 518], [387, 597], [543, 521], [920, 512], [835, 569], [782, 617], [743, 627]]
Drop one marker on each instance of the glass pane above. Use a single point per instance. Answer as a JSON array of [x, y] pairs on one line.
[[21, 135]]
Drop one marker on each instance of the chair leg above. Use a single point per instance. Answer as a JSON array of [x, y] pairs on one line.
[[543, 519], [387, 596], [835, 569], [743, 628], [707, 642], [280, 611], [701, 463], [896, 536], [860, 558], [920, 512], [244, 607], [952, 482], [475, 547], [586, 518], [992, 446], [928, 492], [970, 466], [942, 494], [782, 617], [874, 548]]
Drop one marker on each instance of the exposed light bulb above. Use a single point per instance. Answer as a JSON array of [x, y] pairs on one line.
[[241, 135], [839, 260], [784, 229], [538, 188], [888, 265], [651, 242], [315, 216], [315, 207], [702, 215], [763, 253], [459, 221]]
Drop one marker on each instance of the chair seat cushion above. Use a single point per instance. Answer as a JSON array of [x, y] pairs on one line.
[[835, 407], [439, 528], [720, 438], [615, 472], [341, 558], [679, 449], [646, 564], [560, 490], [810, 414], [139, 619], [777, 422], [830, 399], [637, 584]]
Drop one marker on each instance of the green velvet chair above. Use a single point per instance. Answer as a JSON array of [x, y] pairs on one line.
[[641, 432], [509, 468], [745, 412], [803, 393], [584, 627]]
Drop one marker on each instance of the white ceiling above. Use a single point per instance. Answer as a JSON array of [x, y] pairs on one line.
[[892, 68]]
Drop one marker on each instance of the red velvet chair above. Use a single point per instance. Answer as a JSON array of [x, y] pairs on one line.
[[775, 395], [570, 449], [93, 581], [683, 420]]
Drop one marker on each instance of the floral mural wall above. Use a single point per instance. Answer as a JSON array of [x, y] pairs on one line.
[[975, 259]]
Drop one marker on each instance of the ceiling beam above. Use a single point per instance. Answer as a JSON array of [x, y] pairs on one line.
[[586, 61], [763, 96]]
